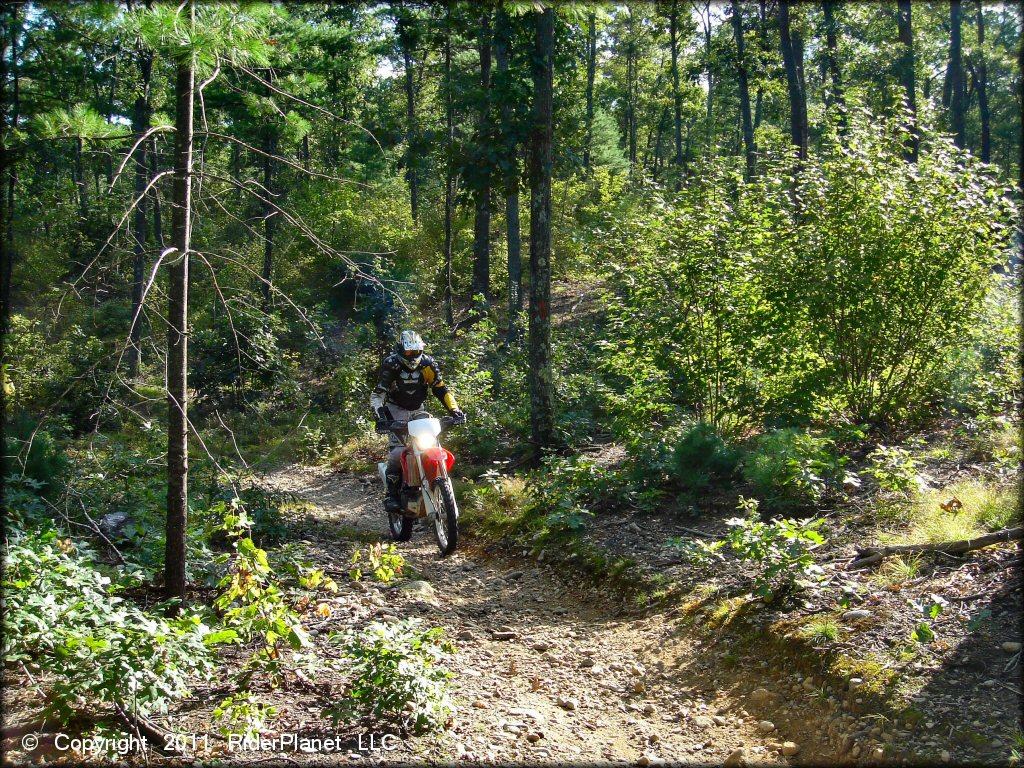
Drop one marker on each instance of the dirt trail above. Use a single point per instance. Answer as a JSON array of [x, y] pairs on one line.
[[578, 679]]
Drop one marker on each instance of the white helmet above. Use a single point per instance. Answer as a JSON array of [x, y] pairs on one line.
[[410, 349]]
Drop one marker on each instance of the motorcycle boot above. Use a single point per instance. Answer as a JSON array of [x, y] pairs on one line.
[[392, 501]]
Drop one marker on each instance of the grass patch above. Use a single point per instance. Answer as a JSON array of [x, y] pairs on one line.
[[898, 569], [821, 631], [964, 510]]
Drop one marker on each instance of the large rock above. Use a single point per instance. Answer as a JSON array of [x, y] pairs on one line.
[[420, 589], [790, 748], [736, 758], [760, 696]]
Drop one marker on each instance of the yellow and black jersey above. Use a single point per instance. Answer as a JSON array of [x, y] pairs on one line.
[[408, 388]]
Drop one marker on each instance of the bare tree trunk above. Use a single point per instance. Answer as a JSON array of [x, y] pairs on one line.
[[541, 385], [904, 21], [405, 41], [158, 227], [503, 38], [837, 98], [982, 81], [140, 120], [744, 88], [177, 338], [631, 93], [449, 192], [591, 72], [797, 99], [710, 106], [677, 96], [269, 214], [762, 39], [305, 151], [482, 215], [958, 86], [7, 168]]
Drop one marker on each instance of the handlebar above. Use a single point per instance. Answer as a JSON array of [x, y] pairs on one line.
[[402, 427]]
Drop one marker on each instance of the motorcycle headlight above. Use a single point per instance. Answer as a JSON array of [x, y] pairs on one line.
[[423, 442]]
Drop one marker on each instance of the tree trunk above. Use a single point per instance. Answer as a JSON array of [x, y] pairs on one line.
[[762, 39], [7, 169], [631, 93], [906, 31], [482, 215], [541, 385], [744, 88], [269, 214], [503, 39], [957, 84], [677, 96], [710, 106], [177, 337], [405, 42], [140, 124], [982, 81], [305, 151], [449, 192], [158, 226], [591, 72], [797, 100], [837, 98]]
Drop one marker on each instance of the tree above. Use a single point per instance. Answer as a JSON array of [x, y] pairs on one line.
[[406, 42], [677, 96], [541, 384], [744, 90], [591, 72], [906, 67], [834, 97], [792, 57], [482, 193], [177, 330], [502, 41], [981, 86], [140, 124], [957, 84]]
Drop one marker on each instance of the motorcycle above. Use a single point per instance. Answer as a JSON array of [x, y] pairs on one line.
[[426, 487]]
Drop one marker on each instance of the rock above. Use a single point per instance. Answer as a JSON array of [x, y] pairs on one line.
[[541, 645], [643, 760], [760, 696], [597, 670], [639, 687], [499, 635], [534, 736], [480, 704], [790, 748], [420, 589], [113, 524], [637, 669], [718, 720], [736, 758], [649, 709], [857, 614], [587, 662], [878, 754], [653, 739], [946, 757], [765, 727], [514, 575], [466, 634], [855, 752], [1011, 647], [774, 746], [568, 704], [703, 721], [533, 714], [855, 683]]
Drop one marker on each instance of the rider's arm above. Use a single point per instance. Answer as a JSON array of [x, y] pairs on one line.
[[387, 380], [432, 377]]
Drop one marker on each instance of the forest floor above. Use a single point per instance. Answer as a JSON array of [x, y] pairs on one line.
[[552, 668]]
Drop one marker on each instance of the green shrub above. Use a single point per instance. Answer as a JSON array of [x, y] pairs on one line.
[[44, 459], [792, 467], [61, 613], [701, 456], [396, 672]]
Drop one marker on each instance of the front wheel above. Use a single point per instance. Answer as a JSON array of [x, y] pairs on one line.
[[446, 517]]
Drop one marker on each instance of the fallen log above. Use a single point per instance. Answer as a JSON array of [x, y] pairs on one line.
[[870, 555]]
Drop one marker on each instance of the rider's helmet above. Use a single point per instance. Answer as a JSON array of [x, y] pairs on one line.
[[410, 349]]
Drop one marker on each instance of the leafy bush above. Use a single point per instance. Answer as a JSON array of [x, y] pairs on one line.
[[791, 466], [396, 672], [780, 549], [384, 562], [893, 469], [63, 615], [702, 456], [43, 458], [243, 714]]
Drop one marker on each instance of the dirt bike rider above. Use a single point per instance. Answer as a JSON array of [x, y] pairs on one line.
[[405, 377]]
